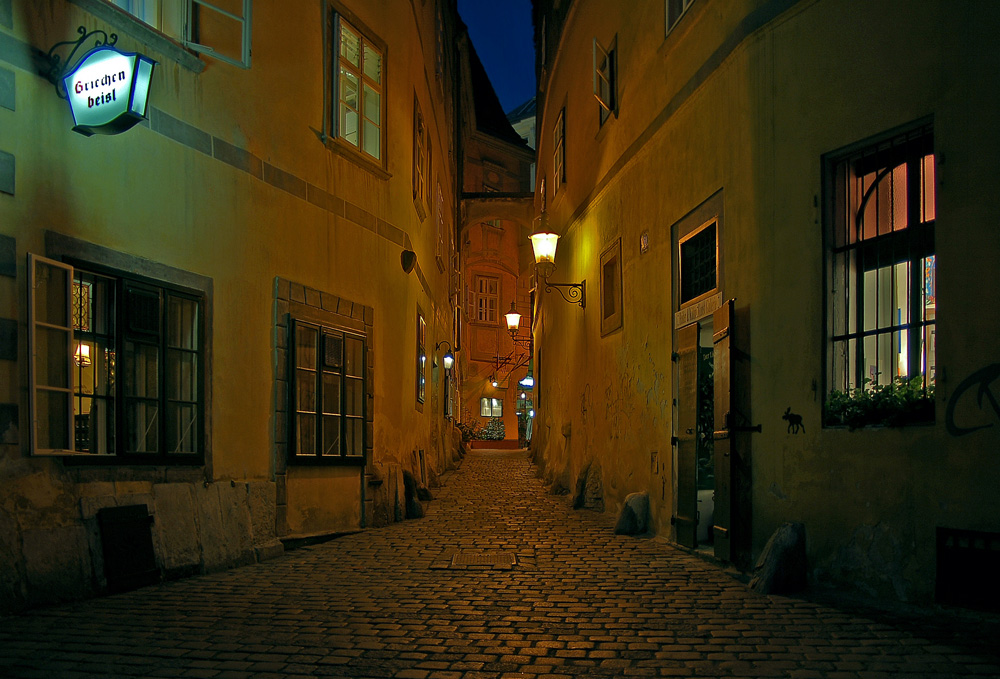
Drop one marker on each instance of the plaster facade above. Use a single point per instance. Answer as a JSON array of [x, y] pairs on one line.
[[727, 114], [238, 189]]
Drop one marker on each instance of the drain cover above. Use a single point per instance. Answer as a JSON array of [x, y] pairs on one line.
[[492, 559]]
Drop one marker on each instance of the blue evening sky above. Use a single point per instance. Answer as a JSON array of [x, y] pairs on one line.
[[502, 33]]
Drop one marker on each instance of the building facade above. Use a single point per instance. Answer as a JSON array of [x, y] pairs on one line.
[[768, 200], [495, 255], [221, 327]]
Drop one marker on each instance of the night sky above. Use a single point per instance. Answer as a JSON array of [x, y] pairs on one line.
[[502, 33]]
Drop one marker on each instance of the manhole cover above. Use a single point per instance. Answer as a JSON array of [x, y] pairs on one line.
[[494, 559]]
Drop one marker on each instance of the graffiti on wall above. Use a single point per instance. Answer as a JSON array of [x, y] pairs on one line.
[[977, 386]]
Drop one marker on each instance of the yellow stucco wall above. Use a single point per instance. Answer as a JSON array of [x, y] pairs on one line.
[[755, 125], [144, 194]]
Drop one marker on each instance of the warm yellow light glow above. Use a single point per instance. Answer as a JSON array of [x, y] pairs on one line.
[[544, 247], [82, 355], [513, 319]]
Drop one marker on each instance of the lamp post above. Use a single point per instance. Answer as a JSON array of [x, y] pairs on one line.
[[544, 247]]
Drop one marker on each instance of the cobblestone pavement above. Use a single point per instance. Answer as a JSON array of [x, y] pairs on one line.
[[579, 602]]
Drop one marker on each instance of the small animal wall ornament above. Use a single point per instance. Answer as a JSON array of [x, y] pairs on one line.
[[794, 421]]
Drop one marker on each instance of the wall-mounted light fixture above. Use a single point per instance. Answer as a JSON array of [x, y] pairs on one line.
[[82, 355], [513, 320], [449, 356], [543, 244]]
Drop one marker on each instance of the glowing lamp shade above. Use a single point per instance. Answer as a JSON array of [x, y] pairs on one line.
[[544, 247], [449, 360], [82, 355], [513, 319]]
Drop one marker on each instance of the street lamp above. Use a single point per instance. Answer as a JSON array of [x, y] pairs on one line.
[[449, 357], [513, 320], [544, 247]]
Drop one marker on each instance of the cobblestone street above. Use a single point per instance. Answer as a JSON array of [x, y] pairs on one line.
[[434, 599]]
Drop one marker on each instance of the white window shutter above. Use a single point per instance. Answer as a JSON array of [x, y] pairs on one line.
[[241, 23], [50, 361]]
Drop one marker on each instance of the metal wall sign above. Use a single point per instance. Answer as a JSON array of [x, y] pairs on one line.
[[108, 90]]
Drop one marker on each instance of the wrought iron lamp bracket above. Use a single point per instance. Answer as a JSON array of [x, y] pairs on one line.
[[53, 67], [575, 293]]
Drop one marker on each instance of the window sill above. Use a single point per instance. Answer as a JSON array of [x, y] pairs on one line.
[[329, 461], [144, 33], [349, 153]]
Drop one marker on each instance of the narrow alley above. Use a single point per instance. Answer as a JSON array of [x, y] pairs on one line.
[[438, 598]]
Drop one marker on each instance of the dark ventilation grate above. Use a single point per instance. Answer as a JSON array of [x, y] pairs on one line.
[[127, 543], [492, 558], [967, 565]]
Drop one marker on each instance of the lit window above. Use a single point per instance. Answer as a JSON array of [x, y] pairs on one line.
[[490, 407], [604, 80], [118, 366], [559, 152], [675, 10], [358, 86], [882, 265], [328, 393]]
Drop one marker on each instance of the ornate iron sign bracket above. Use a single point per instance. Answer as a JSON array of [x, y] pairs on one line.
[[53, 67]]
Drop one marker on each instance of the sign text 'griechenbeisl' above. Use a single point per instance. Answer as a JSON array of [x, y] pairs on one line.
[[108, 90]]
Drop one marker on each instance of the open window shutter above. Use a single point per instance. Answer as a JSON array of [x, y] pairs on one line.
[[220, 29], [50, 365], [601, 56], [722, 327], [687, 441]]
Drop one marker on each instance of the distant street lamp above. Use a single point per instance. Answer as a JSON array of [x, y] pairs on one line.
[[449, 358]]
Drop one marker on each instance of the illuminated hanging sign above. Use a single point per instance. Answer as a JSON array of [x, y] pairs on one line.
[[108, 90]]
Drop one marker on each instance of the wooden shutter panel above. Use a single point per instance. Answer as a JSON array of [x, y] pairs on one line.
[[722, 325], [687, 444]]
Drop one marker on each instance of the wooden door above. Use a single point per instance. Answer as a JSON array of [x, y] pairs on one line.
[[722, 324], [687, 442]]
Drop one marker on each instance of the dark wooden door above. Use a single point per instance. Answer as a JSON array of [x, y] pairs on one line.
[[722, 325], [687, 443]]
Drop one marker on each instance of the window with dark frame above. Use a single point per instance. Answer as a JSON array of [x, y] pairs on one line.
[[604, 79], [421, 358], [699, 262], [421, 175], [881, 280], [611, 288], [358, 89], [136, 368], [328, 394], [559, 152]]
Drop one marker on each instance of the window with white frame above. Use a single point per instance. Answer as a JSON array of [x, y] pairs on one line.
[[675, 9], [487, 299], [604, 79], [881, 281], [559, 152], [220, 29], [328, 395], [490, 407], [358, 89], [117, 366]]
